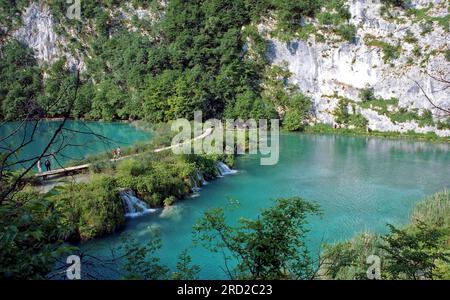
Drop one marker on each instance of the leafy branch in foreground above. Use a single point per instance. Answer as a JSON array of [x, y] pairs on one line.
[[271, 247], [419, 250], [413, 253], [141, 263]]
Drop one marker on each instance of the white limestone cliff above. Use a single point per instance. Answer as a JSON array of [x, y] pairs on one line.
[[322, 70]]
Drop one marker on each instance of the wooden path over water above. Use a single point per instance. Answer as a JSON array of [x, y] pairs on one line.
[[77, 169]]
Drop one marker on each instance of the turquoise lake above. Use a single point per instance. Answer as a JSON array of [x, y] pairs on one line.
[[360, 183], [75, 142]]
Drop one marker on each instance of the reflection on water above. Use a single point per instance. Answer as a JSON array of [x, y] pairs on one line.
[[174, 213]]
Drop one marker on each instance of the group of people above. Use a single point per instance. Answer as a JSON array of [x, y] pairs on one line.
[[47, 164], [117, 153]]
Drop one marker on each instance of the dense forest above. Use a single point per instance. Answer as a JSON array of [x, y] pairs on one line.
[[199, 55]]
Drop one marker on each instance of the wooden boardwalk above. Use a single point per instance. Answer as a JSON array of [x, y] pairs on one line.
[[76, 169], [65, 171]]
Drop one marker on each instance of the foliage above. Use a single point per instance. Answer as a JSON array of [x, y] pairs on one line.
[[410, 135], [347, 260], [59, 86], [389, 108], [348, 32], [141, 262], [286, 97], [155, 180], [20, 82], [30, 236], [412, 253], [390, 52], [419, 250], [89, 210], [270, 247], [410, 38], [398, 3], [192, 59], [10, 12], [343, 117], [367, 94], [299, 107], [444, 124], [433, 210], [185, 271]]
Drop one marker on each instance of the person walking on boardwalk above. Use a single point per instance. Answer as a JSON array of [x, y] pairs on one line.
[[48, 165], [119, 152], [114, 154], [39, 166]]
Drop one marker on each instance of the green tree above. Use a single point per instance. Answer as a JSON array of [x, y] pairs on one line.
[[31, 236], [271, 247], [185, 270], [140, 260], [413, 253], [20, 82], [58, 89]]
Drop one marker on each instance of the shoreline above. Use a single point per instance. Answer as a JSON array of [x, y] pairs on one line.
[[324, 129]]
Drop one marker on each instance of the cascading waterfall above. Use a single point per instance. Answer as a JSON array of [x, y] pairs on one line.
[[195, 187], [201, 178], [134, 207], [224, 169]]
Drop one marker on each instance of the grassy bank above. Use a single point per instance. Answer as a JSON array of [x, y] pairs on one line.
[[419, 250], [410, 135]]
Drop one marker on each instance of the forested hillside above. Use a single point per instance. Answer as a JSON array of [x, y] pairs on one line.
[[200, 55], [161, 60]]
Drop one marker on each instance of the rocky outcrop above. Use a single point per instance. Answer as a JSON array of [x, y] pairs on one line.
[[38, 33], [325, 70]]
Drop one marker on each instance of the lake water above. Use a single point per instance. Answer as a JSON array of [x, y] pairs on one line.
[[77, 140], [360, 183]]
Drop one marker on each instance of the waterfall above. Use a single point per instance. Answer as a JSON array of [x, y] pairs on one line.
[[195, 187], [224, 169], [134, 207], [201, 178]]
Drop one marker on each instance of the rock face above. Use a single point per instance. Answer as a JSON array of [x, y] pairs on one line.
[[324, 70], [37, 32]]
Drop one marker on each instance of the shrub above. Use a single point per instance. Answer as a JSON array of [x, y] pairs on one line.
[[292, 120], [390, 52], [358, 121], [416, 51], [441, 125], [367, 94], [90, 209], [169, 201], [410, 38], [447, 55], [397, 3], [433, 210], [348, 32]]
